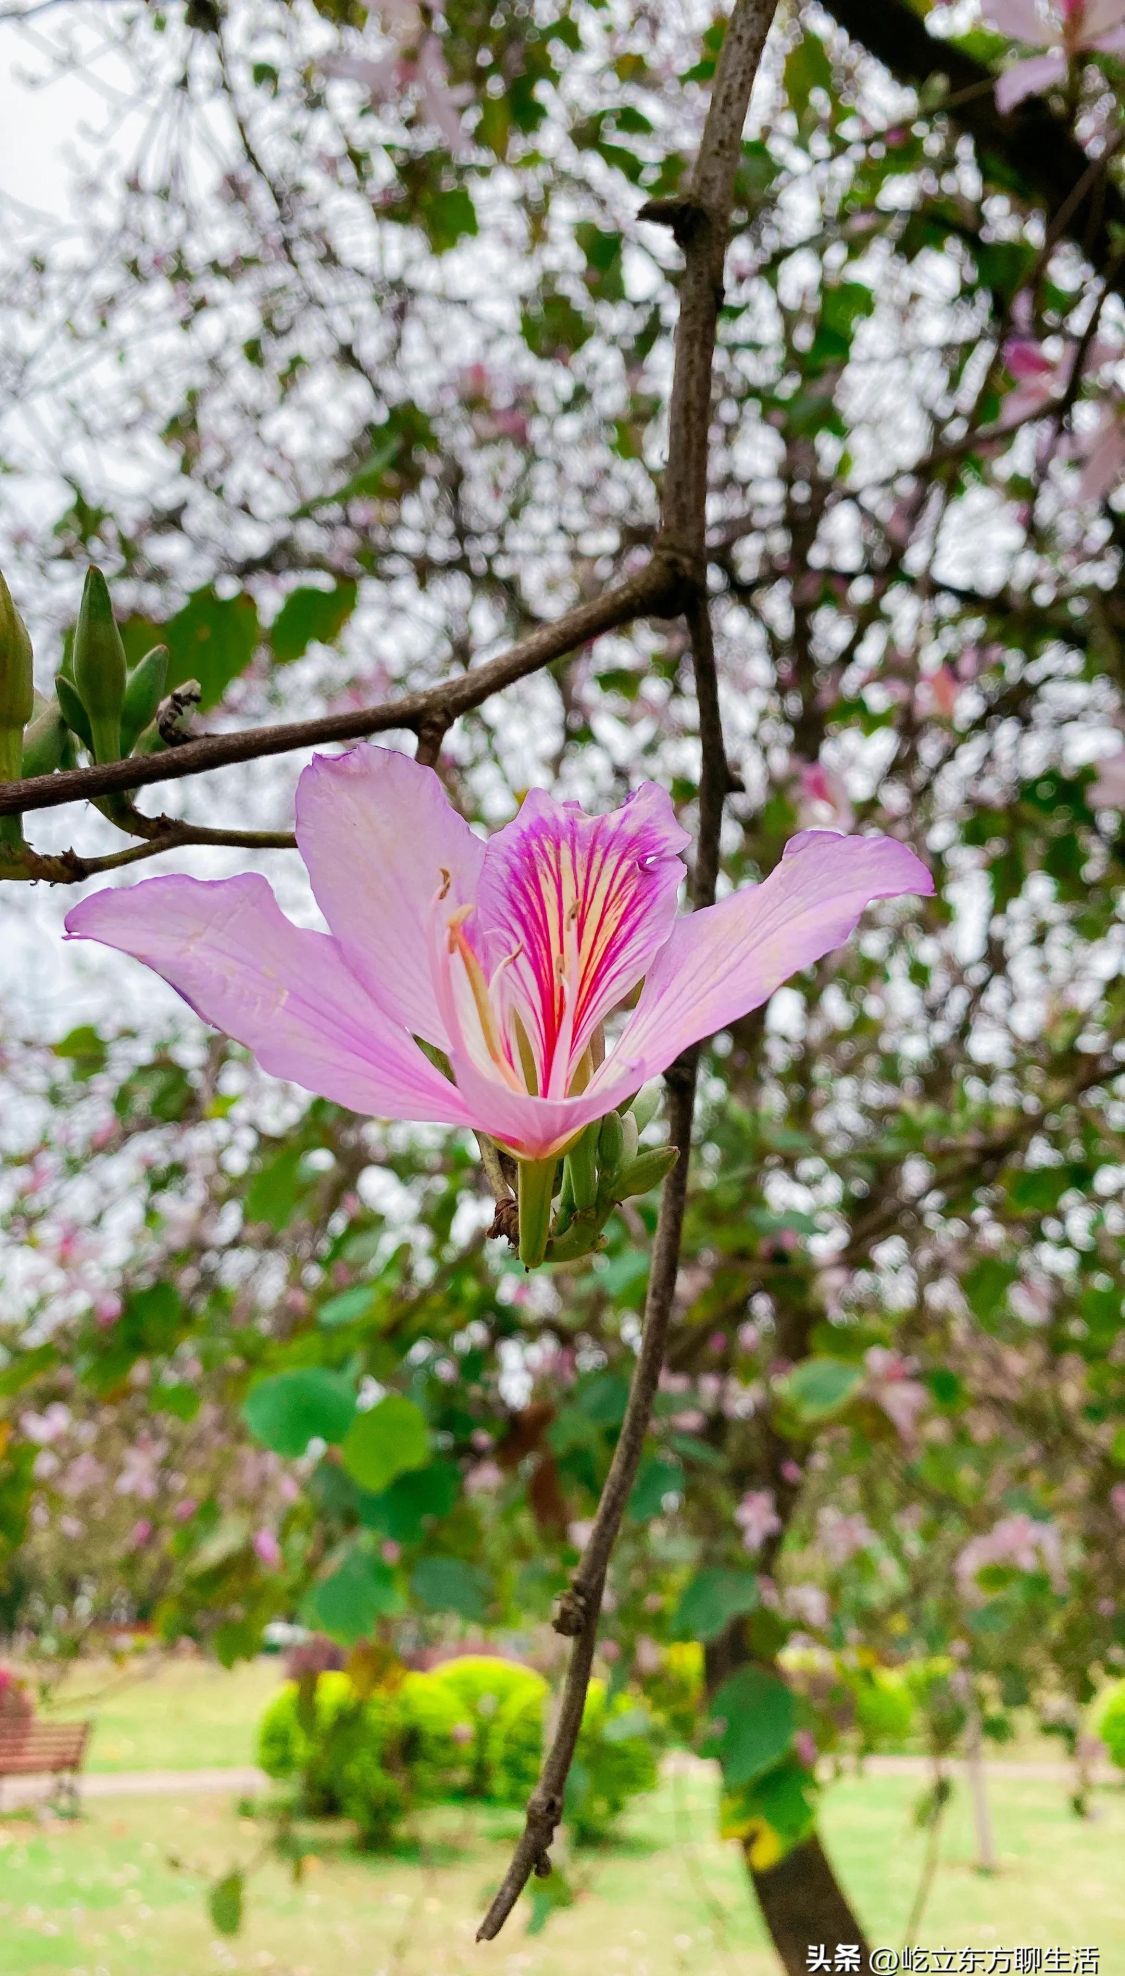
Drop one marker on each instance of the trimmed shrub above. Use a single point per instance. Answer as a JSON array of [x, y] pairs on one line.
[[371, 1758], [498, 1699], [615, 1759], [471, 1727], [1109, 1722]]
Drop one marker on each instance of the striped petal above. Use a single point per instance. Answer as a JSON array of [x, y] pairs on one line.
[[728, 959], [285, 992], [381, 839], [571, 912]]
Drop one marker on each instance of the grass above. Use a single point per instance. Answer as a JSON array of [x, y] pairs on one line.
[[169, 1715], [122, 1891]]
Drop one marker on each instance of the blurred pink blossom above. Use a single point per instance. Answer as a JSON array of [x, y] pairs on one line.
[[267, 1550], [757, 1518], [804, 1748], [1021, 1541], [1078, 27], [843, 1535], [890, 1385]]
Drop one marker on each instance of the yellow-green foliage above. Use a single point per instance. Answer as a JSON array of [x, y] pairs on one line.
[[1109, 1722]]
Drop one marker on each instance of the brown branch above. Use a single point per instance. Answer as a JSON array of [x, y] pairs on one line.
[[700, 221], [168, 834], [656, 590]]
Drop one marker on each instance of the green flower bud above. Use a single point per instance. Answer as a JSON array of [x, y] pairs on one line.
[[630, 1138], [144, 690], [611, 1144], [17, 691], [646, 1104], [44, 740], [99, 667], [72, 710], [646, 1171]]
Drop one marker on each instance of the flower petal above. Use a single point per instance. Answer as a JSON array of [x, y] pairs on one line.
[[535, 1128], [728, 959], [380, 838], [285, 992], [1020, 20], [572, 909], [1029, 78], [1101, 19]]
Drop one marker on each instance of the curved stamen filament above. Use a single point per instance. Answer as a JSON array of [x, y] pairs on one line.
[[460, 945]]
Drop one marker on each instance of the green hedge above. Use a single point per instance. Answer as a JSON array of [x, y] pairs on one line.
[[472, 1727]]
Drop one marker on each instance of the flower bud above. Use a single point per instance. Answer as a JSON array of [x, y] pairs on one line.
[[99, 667], [17, 702], [611, 1144], [646, 1104], [144, 690], [72, 710], [17, 692], [646, 1171], [44, 740]]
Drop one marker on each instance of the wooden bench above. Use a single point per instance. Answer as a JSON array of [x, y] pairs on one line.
[[32, 1748]]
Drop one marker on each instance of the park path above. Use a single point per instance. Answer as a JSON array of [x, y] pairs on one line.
[[18, 1791]]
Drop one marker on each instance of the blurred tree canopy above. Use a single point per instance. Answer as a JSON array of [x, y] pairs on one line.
[[355, 370]]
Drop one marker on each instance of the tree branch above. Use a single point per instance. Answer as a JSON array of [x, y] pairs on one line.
[[700, 220], [658, 589]]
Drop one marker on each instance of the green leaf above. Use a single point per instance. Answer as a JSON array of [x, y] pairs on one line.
[[288, 1411], [272, 1193], [346, 1306], [310, 617], [420, 1497], [657, 1478], [986, 1286], [84, 1048], [807, 67], [348, 1602], [449, 1584], [754, 1717], [448, 217], [711, 1601], [212, 639], [224, 1904], [820, 1387], [386, 1441]]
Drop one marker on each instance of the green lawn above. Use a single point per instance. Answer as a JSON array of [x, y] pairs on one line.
[[172, 1715], [121, 1892]]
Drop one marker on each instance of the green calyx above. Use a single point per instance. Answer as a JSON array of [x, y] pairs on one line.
[[600, 1168], [536, 1187]]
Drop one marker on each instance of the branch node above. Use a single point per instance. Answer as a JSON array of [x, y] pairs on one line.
[[683, 213], [572, 1611]]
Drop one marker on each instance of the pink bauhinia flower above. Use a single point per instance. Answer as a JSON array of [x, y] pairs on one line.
[[507, 956], [1077, 27]]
